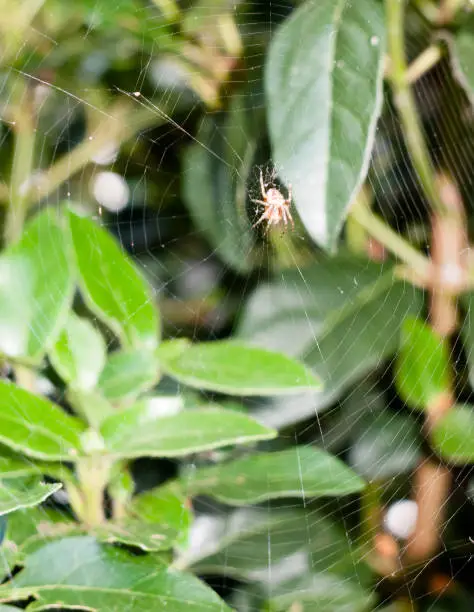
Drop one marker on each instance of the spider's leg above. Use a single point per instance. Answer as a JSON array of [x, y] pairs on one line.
[[262, 218], [290, 218], [259, 202], [262, 186], [290, 193]]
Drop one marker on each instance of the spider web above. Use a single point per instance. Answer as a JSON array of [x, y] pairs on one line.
[[135, 190]]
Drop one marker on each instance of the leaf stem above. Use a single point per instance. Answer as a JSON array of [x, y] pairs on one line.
[[424, 63], [22, 166], [122, 123], [405, 103], [448, 9], [395, 243]]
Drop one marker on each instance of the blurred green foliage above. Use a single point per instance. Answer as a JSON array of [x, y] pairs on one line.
[[197, 414]]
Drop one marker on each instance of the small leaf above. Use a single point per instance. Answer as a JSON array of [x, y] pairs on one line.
[[137, 432], [166, 506], [113, 288], [128, 373], [36, 288], [15, 466], [324, 77], [238, 369], [462, 51], [297, 472], [31, 493], [453, 435], [36, 427], [79, 353], [422, 367], [100, 577], [145, 536]]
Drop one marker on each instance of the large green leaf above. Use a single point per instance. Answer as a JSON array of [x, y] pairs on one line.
[[453, 435], [216, 169], [36, 288], [324, 94], [423, 366], [139, 431], [127, 373], [236, 369], [249, 543], [341, 316], [37, 427], [301, 471], [462, 51], [24, 494], [79, 353], [112, 286], [78, 571]]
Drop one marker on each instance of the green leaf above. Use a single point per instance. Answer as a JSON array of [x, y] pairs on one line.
[[15, 466], [341, 316], [79, 570], [165, 506], [112, 287], [145, 536], [462, 51], [467, 333], [384, 445], [36, 427], [453, 435], [423, 368], [79, 353], [215, 175], [138, 432], [237, 369], [128, 373], [24, 494], [322, 592], [249, 543], [296, 472], [36, 288], [324, 78]]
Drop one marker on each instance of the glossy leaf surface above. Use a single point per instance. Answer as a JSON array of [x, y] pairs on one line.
[[127, 373], [423, 366], [453, 436], [24, 494], [326, 65], [297, 472], [36, 427], [112, 286], [36, 288], [237, 369], [136, 432], [80, 571], [79, 353]]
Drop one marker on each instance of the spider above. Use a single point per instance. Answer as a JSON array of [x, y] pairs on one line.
[[277, 207]]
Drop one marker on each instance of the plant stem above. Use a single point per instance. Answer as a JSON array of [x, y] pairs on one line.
[[391, 240], [122, 124], [405, 104], [424, 63], [448, 9], [22, 166]]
